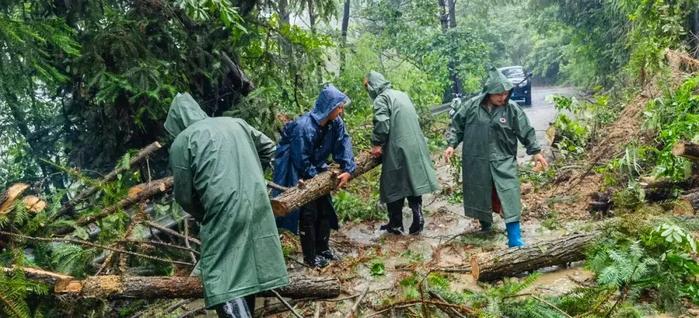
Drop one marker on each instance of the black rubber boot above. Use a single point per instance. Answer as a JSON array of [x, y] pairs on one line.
[[323, 240], [418, 224], [236, 308], [395, 218]]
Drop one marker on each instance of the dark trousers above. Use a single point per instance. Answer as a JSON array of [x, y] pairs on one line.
[[397, 206], [314, 226]]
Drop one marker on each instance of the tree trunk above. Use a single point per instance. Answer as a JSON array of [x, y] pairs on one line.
[[321, 184], [154, 287], [241, 83], [506, 263], [312, 22], [137, 194], [8, 198], [142, 154], [345, 26], [686, 149], [448, 20], [452, 13]]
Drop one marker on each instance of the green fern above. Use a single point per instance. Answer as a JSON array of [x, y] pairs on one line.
[[72, 259], [14, 289]]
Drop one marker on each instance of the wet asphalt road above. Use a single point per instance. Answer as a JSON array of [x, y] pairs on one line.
[[542, 112]]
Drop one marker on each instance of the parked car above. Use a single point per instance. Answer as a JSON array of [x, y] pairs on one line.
[[522, 92]]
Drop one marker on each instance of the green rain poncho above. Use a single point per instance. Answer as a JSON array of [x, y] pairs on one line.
[[490, 150], [217, 165], [406, 165]]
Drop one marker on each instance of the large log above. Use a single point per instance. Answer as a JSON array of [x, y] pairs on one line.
[[506, 263], [154, 287], [142, 154], [137, 194], [318, 186], [686, 149], [169, 287]]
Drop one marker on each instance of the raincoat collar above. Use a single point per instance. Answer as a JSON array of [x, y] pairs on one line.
[[329, 99], [376, 84], [184, 111]]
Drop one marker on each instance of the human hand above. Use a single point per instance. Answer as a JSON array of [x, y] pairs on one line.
[[376, 151], [540, 162], [344, 178], [448, 153]]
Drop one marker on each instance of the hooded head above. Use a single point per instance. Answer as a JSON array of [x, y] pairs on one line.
[[328, 100], [497, 82], [376, 84], [184, 111]]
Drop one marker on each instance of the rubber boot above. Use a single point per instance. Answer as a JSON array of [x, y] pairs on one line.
[[323, 241], [514, 235], [486, 227], [235, 308], [395, 218], [418, 219], [308, 247]]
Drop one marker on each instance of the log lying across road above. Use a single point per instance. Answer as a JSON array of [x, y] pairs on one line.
[[506, 263], [320, 185], [686, 149], [168, 287]]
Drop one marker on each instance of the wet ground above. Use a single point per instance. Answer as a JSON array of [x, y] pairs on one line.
[[448, 241]]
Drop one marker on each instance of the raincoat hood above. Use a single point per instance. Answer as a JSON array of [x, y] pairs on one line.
[[184, 111], [329, 99], [376, 84], [497, 82]]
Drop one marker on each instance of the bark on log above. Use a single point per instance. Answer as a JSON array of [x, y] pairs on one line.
[[692, 198], [147, 191], [686, 149], [8, 198], [142, 154], [145, 287], [318, 186], [495, 265]]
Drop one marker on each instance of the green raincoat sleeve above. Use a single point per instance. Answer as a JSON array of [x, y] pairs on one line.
[[525, 132], [265, 147], [382, 121], [184, 192]]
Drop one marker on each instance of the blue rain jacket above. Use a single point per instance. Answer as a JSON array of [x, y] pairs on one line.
[[305, 146]]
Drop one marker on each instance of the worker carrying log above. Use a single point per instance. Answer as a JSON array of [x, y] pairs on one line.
[[302, 152], [217, 165], [488, 126], [407, 170]]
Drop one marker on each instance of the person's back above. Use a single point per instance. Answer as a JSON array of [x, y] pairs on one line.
[[407, 170], [217, 167]]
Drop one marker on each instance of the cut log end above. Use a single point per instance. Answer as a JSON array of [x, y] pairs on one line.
[[8, 198], [279, 208]]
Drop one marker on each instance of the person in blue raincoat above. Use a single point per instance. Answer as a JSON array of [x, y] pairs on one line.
[[302, 153]]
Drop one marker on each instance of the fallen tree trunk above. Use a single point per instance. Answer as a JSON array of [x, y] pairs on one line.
[[686, 149], [692, 198], [318, 186], [142, 154], [510, 262], [8, 198], [143, 192], [154, 287]]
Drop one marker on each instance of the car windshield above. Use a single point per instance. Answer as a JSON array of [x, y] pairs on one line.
[[513, 72]]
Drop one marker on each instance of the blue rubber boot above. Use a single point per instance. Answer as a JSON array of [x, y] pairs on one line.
[[514, 235]]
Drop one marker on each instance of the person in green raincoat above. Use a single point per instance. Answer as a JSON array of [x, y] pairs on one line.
[[217, 165], [406, 170], [489, 126]]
